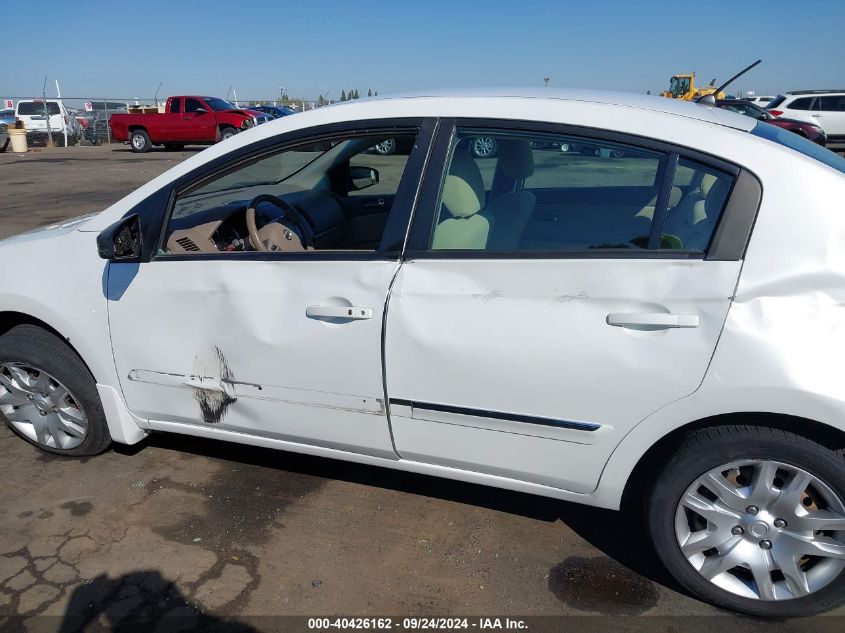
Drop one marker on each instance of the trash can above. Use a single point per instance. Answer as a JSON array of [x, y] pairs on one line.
[[17, 139]]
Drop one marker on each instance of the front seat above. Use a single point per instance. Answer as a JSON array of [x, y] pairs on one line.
[[463, 224], [512, 210]]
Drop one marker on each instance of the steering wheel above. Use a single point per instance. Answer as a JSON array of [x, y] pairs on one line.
[[306, 236]]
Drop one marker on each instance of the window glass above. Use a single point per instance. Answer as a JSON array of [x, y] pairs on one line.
[[192, 105], [832, 104], [775, 102], [30, 108], [800, 104], [696, 201], [799, 144], [538, 192], [174, 106], [333, 194]]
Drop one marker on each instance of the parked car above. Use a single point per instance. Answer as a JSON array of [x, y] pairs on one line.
[[666, 334], [389, 146], [276, 112], [760, 101], [825, 108], [41, 117], [4, 137], [808, 130], [7, 117], [186, 120]]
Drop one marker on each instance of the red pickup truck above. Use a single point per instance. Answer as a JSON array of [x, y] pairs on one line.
[[185, 120]]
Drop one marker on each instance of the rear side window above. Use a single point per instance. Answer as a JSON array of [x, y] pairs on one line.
[[803, 103], [530, 192], [775, 102], [174, 106], [833, 103], [799, 144], [30, 108]]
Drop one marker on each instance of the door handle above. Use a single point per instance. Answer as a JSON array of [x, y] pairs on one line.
[[658, 319], [375, 203], [353, 313], [816, 116]]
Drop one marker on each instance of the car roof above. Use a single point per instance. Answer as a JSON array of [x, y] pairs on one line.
[[815, 92], [652, 103]]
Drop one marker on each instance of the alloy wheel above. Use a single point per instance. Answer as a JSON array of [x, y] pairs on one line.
[[764, 530], [483, 146], [40, 407], [387, 146]]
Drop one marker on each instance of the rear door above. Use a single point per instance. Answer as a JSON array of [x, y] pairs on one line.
[[832, 116], [196, 123], [529, 354]]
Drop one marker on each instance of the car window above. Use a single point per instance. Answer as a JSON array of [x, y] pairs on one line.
[[803, 103], [799, 144], [193, 105], [696, 201], [334, 194], [775, 102], [546, 193], [174, 106], [30, 108], [832, 103]]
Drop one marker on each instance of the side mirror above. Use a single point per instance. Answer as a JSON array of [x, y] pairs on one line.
[[363, 177], [121, 241]]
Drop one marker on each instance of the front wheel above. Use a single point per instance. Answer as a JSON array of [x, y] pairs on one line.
[[483, 147], [227, 132], [386, 147], [47, 395], [753, 519]]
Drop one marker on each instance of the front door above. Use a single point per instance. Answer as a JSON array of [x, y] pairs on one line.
[[275, 335], [539, 316]]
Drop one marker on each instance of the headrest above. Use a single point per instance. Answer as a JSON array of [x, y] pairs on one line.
[[707, 181], [463, 191], [516, 158], [675, 197]]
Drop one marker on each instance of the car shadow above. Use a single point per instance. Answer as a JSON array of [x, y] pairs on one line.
[[162, 150], [619, 535]]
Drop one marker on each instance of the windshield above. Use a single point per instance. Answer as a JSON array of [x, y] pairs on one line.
[[775, 102], [799, 144], [679, 86], [217, 104]]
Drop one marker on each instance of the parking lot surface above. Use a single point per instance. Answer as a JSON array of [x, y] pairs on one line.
[[214, 531]]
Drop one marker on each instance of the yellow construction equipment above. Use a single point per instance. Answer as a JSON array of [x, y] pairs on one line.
[[683, 87]]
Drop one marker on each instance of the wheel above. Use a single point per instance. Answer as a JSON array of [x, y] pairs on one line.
[[753, 519], [483, 147], [59, 140], [139, 141], [227, 132], [565, 147], [386, 147], [47, 395]]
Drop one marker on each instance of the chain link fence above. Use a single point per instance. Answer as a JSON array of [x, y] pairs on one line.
[[84, 121]]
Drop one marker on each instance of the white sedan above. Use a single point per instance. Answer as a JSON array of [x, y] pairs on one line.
[[657, 322]]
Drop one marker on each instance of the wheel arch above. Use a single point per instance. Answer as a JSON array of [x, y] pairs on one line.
[[655, 457], [136, 127]]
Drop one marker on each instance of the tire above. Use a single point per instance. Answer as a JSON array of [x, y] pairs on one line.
[[386, 147], [483, 147], [227, 132], [139, 141], [757, 541], [33, 347]]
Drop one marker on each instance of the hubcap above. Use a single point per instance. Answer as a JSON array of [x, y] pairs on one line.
[[385, 147], [762, 529], [40, 407], [137, 141], [484, 146]]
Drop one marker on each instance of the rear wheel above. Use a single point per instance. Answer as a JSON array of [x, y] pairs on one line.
[[753, 519], [47, 395], [139, 141], [386, 147], [483, 147]]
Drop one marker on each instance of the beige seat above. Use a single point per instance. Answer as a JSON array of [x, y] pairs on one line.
[[513, 210], [465, 226], [693, 219]]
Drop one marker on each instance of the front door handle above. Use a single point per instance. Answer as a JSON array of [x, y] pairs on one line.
[[374, 203], [657, 319], [353, 313]]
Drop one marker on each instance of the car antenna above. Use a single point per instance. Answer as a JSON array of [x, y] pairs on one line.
[[710, 100]]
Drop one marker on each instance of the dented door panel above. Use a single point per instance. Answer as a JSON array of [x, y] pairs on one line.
[[228, 344], [510, 367]]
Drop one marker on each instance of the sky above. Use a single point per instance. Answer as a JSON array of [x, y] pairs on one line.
[[311, 47]]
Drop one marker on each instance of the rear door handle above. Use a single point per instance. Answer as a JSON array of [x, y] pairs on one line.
[[353, 313], [657, 319]]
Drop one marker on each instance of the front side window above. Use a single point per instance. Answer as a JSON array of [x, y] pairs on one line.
[[193, 105], [329, 195], [559, 194]]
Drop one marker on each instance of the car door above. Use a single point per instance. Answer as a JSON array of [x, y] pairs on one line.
[[283, 344], [529, 354], [197, 123], [832, 116]]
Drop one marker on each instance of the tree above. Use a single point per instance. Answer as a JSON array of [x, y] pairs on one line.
[[343, 95], [356, 93], [376, 94], [370, 92]]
